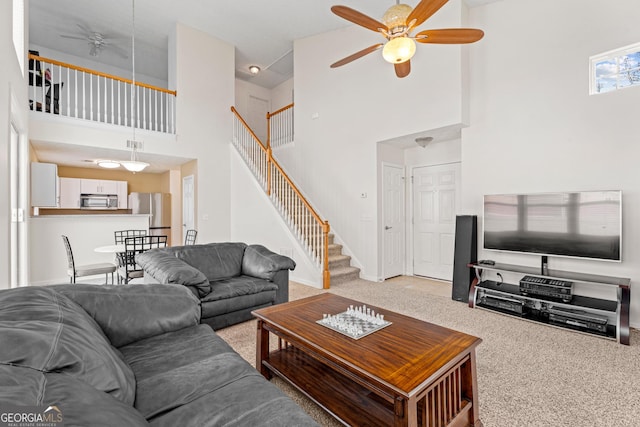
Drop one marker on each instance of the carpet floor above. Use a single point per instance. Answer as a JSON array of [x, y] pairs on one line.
[[529, 375]]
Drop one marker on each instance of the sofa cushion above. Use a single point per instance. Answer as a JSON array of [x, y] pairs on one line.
[[60, 337], [194, 378], [246, 402], [236, 294], [215, 260], [174, 368], [133, 312], [79, 403], [260, 262]]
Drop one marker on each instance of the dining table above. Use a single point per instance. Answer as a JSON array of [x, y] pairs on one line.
[[111, 249]]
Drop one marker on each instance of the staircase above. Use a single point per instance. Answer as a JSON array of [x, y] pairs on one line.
[[340, 268], [304, 222]]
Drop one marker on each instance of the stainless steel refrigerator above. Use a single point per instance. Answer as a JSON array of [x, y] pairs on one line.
[[158, 207]]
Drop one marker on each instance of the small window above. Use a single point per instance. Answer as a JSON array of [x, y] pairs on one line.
[[615, 70]]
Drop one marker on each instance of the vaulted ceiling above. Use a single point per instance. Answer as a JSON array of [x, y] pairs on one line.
[[262, 31]]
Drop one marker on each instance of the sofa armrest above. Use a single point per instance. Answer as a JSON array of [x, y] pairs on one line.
[[130, 313], [166, 268], [262, 263]]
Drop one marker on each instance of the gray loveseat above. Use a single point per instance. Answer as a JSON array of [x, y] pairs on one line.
[[134, 355], [231, 279]]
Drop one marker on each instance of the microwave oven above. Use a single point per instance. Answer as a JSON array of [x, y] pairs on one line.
[[98, 201]]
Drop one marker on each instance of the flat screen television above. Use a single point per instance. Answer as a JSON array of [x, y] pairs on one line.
[[585, 224]]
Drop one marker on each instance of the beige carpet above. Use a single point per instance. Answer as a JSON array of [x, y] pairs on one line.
[[529, 375]]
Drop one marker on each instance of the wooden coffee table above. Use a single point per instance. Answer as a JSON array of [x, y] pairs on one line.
[[410, 373]]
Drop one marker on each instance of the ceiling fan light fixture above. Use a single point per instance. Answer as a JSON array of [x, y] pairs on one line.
[[396, 16], [108, 164], [254, 69], [399, 50]]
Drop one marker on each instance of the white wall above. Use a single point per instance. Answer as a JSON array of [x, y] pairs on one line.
[[357, 105], [13, 108], [534, 127], [254, 214], [282, 95], [204, 123]]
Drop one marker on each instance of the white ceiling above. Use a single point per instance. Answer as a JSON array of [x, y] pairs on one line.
[[262, 31]]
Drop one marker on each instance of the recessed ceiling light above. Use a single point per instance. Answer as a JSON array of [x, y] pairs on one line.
[[254, 69]]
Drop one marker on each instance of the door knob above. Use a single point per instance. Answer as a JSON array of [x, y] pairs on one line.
[[386, 227]]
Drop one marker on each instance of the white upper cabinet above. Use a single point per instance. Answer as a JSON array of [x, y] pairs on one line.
[[98, 186], [123, 194], [44, 185], [69, 193]]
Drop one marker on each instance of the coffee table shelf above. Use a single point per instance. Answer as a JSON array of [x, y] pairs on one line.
[[330, 389]]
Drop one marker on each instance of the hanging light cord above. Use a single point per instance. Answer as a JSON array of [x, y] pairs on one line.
[[134, 104]]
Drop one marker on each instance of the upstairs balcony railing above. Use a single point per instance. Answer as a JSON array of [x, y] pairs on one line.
[[310, 229], [280, 126], [67, 90]]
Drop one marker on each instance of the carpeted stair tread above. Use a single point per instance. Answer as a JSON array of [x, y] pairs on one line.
[[338, 261], [344, 274], [335, 249]]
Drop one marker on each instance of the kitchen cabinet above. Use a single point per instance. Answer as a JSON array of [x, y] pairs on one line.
[[98, 186], [69, 193], [123, 194], [44, 185]]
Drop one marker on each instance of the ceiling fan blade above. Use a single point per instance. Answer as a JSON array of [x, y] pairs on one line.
[[358, 18], [403, 69], [450, 36], [356, 55], [424, 10], [85, 28], [73, 37]]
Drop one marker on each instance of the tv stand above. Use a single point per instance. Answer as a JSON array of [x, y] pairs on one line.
[[608, 318]]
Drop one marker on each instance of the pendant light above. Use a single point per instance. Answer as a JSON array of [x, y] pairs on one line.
[[134, 165]]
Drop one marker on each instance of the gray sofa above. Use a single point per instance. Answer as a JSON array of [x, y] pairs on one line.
[[128, 356], [231, 279]]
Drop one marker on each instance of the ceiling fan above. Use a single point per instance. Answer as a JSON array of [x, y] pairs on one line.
[[97, 41], [396, 26]]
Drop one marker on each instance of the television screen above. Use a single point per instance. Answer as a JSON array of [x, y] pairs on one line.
[[584, 224]]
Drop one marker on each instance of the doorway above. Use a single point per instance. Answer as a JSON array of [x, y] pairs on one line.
[[188, 204], [436, 198], [18, 264], [393, 220]]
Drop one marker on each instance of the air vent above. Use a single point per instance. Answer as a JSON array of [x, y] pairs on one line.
[[138, 145]]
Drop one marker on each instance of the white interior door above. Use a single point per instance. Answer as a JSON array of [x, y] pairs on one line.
[[14, 238], [188, 204], [258, 109], [435, 191], [393, 221]]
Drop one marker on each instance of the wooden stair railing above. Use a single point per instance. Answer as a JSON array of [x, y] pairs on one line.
[[69, 90], [304, 221]]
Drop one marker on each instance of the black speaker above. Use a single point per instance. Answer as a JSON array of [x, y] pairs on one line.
[[465, 252]]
